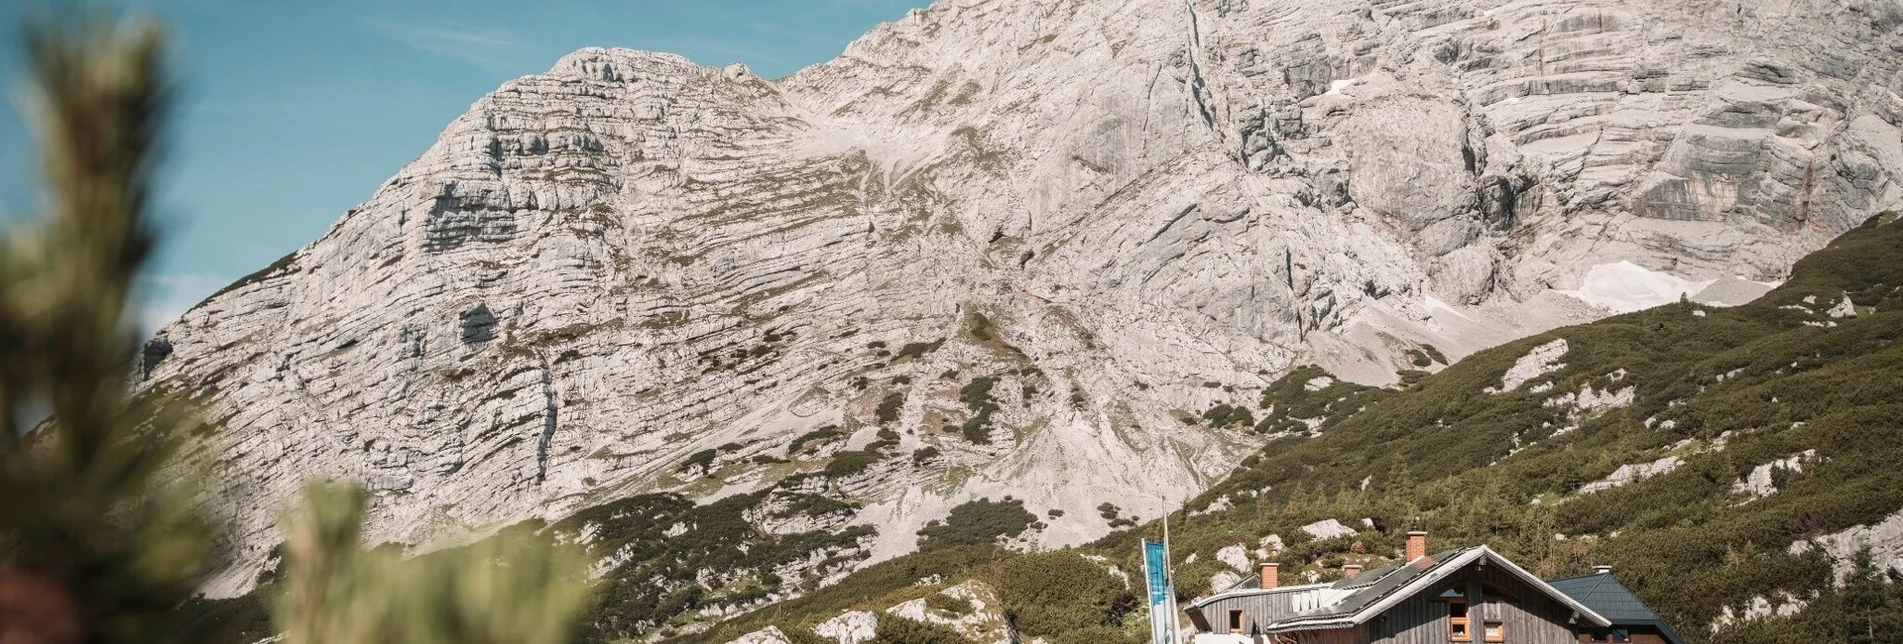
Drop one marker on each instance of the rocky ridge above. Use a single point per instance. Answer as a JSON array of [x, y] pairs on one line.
[[1113, 214]]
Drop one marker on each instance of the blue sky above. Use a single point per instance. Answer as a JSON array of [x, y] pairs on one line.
[[294, 111]]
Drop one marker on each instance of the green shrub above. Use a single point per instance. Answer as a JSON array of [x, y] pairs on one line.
[[980, 327], [823, 434], [898, 630], [1051, 593], [919, 349], [850, 463], [1225, 415], [813, 505], [888, 410], [977, 429], [923, 455], [1096, 635], [977, 523], [950, 604], [977, 393], [803, 635], [702, 460], [977, 397]]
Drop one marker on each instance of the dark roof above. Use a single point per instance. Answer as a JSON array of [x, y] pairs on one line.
[[1608, 597], [1373, 585], [1361, 579]]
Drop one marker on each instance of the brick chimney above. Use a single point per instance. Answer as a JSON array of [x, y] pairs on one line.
[[1350, 570], [1416, 544], [1271, 574], [1602, 570]]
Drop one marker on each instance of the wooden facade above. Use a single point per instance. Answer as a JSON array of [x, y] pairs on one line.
[[1516, 611], [1269, 604], [1492, 595]]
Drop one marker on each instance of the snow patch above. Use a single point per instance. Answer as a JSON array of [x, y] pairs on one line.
[[1435, 303], [1624, 287]]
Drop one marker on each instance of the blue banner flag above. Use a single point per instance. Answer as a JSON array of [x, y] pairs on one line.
[[1162, 596]]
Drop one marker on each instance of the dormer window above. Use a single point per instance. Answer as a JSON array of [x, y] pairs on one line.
[[1458, 628]]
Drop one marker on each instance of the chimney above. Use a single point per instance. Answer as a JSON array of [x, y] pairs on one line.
[[1271, 576], [1416, 544], [1602, 570], [1350, 570]]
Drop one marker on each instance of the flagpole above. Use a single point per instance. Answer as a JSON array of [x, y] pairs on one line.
[[1169, 575]]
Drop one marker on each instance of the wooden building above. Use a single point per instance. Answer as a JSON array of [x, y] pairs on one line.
[[1469, 595]]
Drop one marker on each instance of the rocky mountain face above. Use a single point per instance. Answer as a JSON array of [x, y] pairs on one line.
[[1013, 247], [1733, 466]]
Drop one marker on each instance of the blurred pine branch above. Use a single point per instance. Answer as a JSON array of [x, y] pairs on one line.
[[100, 540], [95, 546], [513, 588]]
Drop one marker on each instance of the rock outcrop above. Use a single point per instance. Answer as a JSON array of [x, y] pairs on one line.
[[1111, 214]]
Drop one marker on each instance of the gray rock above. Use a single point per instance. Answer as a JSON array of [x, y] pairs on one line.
[[604, 269]]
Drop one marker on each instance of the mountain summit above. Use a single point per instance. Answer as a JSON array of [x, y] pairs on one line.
[[1045, 250]]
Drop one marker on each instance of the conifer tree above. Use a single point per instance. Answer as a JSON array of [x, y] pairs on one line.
[[100, 540]]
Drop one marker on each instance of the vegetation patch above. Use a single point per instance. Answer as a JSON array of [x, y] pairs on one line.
[[919, 349], [977, 397], [889, 406], [823, 434], [977, 523], [948, 604], [851, 463], [1226, 415], [1049, 594], [893, 629], [701, 461]]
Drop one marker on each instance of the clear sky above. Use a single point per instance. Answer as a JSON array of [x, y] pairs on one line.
[[295, 110]]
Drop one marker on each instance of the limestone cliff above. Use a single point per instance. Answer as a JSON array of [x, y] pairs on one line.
[[1055, 228]]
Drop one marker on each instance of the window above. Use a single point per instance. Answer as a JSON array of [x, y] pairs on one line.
[[1457, 627], [1235, 621], [1496, 632]]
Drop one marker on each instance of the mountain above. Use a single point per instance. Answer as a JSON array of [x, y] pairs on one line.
[[1004, 248], [1734, 466]]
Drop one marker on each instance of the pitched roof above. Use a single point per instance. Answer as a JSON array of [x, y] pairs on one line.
[[1612, 599], [1372, 592], [1372, 586]]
